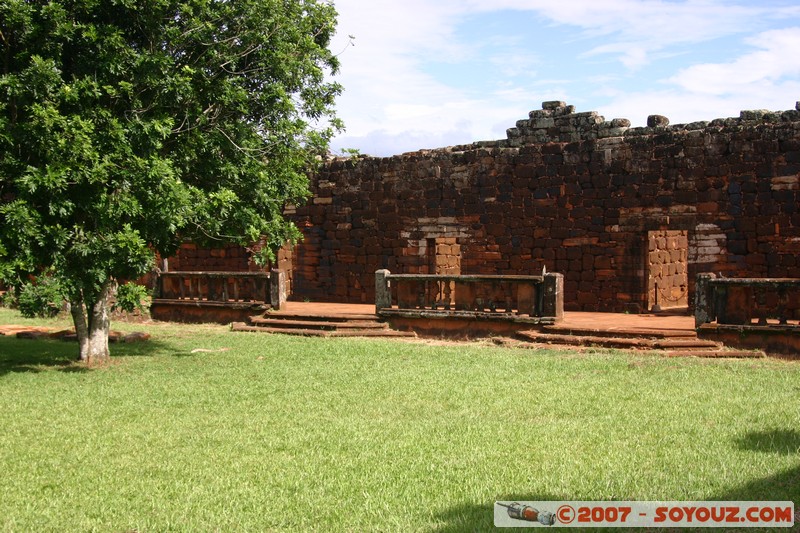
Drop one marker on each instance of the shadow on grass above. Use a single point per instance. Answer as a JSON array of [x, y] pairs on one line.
[[25, 355], [138, 349], [480, 517], [785, 441], [784, 486]]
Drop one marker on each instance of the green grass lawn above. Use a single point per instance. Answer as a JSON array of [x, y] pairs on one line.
[[295, 434]]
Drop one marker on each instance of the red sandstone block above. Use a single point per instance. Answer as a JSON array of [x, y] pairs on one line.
[[516, 263], [585, 298], [495, 229], [573, 267], [707, 208], [574, 253], [605, 274], [765, 229]]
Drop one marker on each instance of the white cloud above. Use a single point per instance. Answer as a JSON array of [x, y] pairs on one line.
[[395, 101], [776, 59], [681, 107], [635, 29], [383, 68], [514, 65]]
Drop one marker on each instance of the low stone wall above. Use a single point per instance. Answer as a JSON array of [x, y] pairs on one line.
[[231, 258], [220, 297], [757, 313]]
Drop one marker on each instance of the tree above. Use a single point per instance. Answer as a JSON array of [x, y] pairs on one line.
[[127, 126]]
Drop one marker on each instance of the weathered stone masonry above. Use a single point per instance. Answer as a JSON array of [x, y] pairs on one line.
[[611, 207]]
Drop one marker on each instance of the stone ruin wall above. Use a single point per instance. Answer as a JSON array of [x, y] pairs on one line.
[[613, 208], [191, 257], [230, 258]]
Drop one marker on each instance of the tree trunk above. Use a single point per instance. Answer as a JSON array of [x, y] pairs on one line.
[[92, 323], [78, 311]]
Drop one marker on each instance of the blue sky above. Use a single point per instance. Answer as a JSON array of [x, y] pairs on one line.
[[434, 73]]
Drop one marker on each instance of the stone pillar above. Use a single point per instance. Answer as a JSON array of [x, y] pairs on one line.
[[733, 304], [277, 288], [526, 299], [158, 285], [465, 297], [553, 302], [383, 293], [703, 300]]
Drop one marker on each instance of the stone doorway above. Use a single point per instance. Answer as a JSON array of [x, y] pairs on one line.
[[668, 269], [444, 256]]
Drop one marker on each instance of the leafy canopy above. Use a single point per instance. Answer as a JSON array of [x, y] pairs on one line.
[[129, 125]]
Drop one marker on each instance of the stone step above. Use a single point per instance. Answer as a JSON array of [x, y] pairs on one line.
[[634, 333], [617, 342], [320, 317], [315, 324], [704, 352], [241, 326], [723, 352]]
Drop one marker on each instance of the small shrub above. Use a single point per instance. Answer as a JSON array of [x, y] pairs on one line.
[[43, 299], [9, 299], [354, 153], [130, 297]]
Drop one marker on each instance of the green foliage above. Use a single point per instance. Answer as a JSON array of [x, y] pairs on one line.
[[9, 299], [126, 127], [354, 153], [130, 297], [43, 299]]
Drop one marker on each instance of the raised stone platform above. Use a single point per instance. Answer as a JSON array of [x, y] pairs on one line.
[[672, 335], [774, 339], [201, 311], [321, 320]]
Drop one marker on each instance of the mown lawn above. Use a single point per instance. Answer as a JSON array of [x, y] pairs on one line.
[[265, 432]]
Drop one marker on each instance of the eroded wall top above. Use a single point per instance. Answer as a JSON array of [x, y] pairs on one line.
[[558, 122]]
